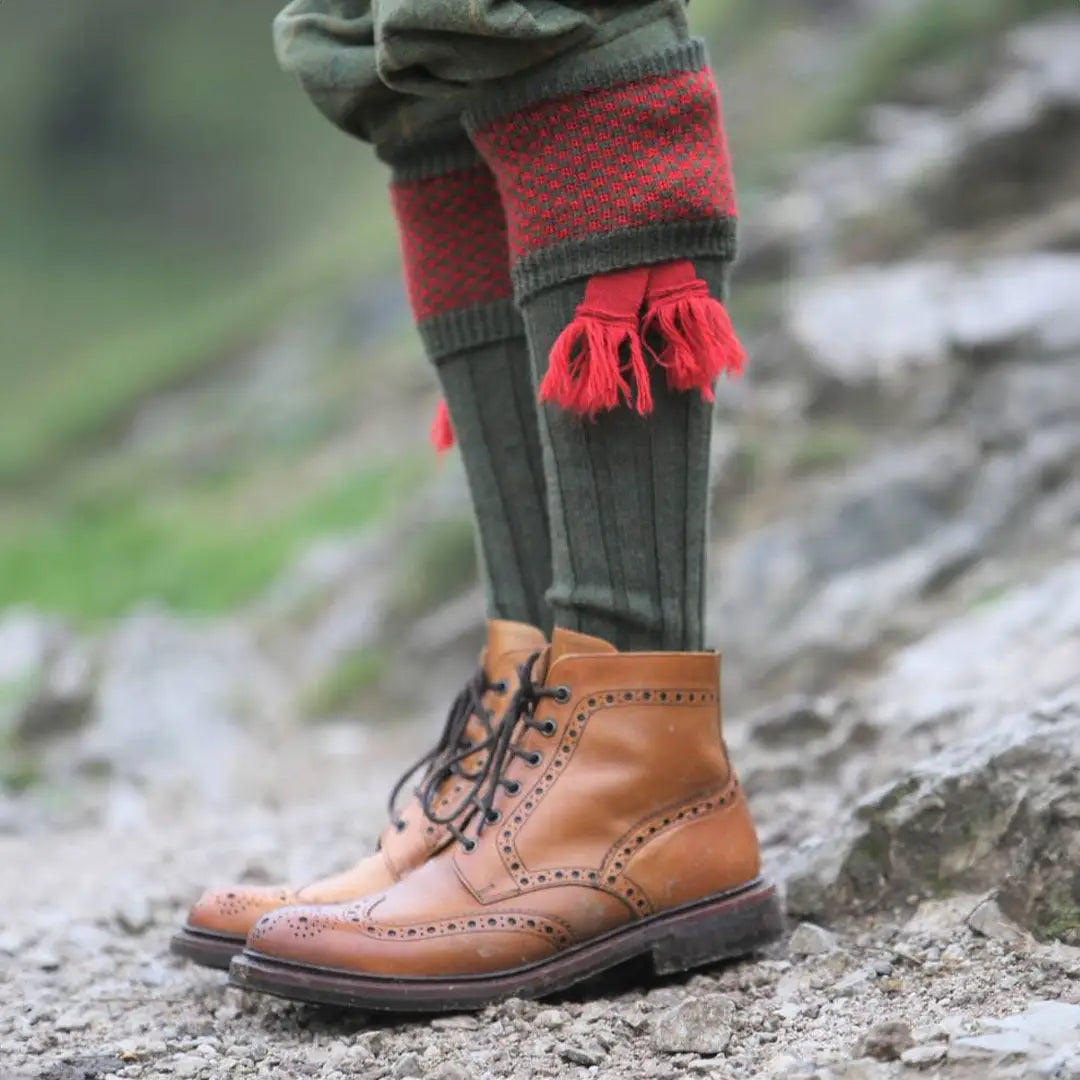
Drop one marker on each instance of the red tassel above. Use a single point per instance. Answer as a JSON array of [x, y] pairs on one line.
[[587, 372], [699, 342], [442, 430]]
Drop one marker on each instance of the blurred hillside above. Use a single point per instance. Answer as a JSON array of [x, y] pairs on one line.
[[174, 207]]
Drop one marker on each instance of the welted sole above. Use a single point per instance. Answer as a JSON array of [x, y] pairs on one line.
[[721, 927], [205, 948]]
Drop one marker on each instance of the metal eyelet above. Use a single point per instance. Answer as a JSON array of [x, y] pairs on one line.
[[513, 788], [493, 817], [500, 687], [548, 727], [535, 760], [401, 826], [562, 694], [469, 845]]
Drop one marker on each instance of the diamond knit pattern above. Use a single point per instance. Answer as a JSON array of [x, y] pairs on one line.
[[649, 152], [453, 241]]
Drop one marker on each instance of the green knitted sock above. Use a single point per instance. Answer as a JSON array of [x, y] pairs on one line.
[[492, 402], [457, 270], [628, 500], [620, 205]]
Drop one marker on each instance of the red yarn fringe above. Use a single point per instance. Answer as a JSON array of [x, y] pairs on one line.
[[442, 430], [699, 341], [598, 361]]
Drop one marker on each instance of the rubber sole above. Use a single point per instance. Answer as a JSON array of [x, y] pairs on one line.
[[205, 948], [719, 928]]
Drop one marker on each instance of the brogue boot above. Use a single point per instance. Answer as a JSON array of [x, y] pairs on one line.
[[606, 824], [220, 920]]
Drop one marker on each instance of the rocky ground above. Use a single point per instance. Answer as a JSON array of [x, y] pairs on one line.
[[897, 592]]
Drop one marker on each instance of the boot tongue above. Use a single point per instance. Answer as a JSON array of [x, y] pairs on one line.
[[571, 643], [511, 637]]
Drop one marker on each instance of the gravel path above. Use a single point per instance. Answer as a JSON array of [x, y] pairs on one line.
[[88, 990]]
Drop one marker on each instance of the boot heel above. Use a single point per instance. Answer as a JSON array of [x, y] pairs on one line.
[[722, 931]]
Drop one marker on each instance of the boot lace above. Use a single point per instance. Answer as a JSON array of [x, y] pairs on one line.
[[445, 757], [500, 747]]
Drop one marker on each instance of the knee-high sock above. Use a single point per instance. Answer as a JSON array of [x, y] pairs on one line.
[[456, 261], [621, 216]]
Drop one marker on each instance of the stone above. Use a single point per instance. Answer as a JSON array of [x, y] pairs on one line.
[[952, 822], [899, 320], [408, 1067], [135, 914], [451, 1070], [886, 1041], [1051, 1023], [923, 1057], [988, 920], [72, 1021], [700, 1025], [551, 1018], [983, 815], [170, 688], [809, 939], [1000, 1048], [187, 1065], [582, 1055], [941, 919]]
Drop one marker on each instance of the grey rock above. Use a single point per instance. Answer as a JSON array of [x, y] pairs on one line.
[[700, 1025], [986, 810], [582, 1055], [551, 1018], [407, 1067], [72, 1021], [898, 320], [187, 1065], [987, 919], [1050, 1023], [1001, 1048], [923, 1057], [25, 641], [975, 815], [451, 1071], [886, 1041], [169, 689], [135, 915], [809, 939]]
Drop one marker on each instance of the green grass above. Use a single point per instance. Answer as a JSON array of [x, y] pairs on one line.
[[439, 564], [827, 447], [97, 558], [56, 405], [346, 685]]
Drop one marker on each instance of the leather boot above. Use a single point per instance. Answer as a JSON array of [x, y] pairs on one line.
[[220, 920], [607, 824]]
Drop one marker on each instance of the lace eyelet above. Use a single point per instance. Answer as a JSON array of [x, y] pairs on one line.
[[513, 788], [493, 817], [562, 694], [500, 687], [401, 826], [548, 727], [535, 760], [469, 846]]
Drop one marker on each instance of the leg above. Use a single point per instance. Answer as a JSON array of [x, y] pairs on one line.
[[457, 271], [626, 496], [608, 823]]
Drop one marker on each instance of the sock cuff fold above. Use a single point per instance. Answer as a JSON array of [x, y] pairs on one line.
[[603, 168], [453, 237], [453, 332]]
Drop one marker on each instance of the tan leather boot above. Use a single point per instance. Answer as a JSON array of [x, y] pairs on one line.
[[219, 921], [611, 826]]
